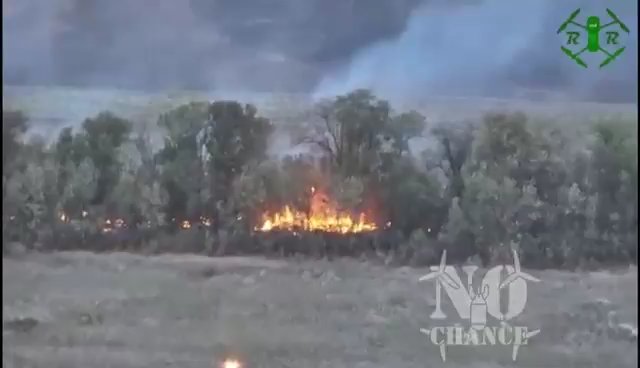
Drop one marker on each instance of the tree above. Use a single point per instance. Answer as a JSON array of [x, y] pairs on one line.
[[234, 137], [504, 143], [14, 126], [402, 128], [498, 213], [99, 141], [209, 146], [351, 130], [456, 140], [80, 187], [412, 199], [27, 203], [614, 177], [182, 160]]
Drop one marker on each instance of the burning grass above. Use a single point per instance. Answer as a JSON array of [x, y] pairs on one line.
[[323, 215]]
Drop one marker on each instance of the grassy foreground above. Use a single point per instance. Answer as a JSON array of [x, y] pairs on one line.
[[80, 309]]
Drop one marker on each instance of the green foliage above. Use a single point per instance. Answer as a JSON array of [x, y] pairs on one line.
[[411, 198], [98, 140], [14, 126], [456, 140], [562, 197], [184, 122], [248, 192], [614, 179], [80, 187], [498, 213], [403, 127], [26, 203], [235, 136], [350, 192], [357, 127], [206, 149]]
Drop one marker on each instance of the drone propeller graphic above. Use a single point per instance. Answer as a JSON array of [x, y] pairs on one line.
[[442, 344], [517, 273], [441, 275], [612, 57], [528, 335], [617, 20], [570, 21], [576, 56], [593, 29]]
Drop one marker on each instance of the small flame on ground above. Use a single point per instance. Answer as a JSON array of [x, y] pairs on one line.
[[231, 363], [112, 224], [205, 221]]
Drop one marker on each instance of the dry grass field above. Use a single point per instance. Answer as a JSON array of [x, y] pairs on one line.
[[52, 108], [121, 310]]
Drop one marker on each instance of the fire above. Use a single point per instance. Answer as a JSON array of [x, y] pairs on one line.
[[231, 363], [323, 216]]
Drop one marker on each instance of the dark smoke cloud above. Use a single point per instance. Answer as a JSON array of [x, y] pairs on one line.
[[496, 48], [202, 44], [400, 48]]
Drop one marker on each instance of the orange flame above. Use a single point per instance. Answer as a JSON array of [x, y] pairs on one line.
[[323, 216]]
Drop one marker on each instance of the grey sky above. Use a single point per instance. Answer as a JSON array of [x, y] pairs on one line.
[[397, 47]]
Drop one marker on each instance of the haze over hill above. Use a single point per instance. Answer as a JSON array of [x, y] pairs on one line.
[[401, 48]]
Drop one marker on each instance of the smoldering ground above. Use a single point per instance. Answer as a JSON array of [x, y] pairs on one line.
[[401, 49]]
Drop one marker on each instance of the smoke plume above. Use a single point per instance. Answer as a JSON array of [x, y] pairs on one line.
[[399, 48]]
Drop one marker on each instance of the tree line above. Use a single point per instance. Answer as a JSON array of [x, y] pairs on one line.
[[563, 195]]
